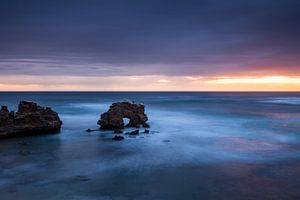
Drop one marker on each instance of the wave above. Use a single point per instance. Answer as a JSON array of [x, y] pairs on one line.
[[284, 100]]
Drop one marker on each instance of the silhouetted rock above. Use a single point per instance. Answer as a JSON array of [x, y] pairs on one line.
[[113, 118], [30, 119], [88, 130], [146, 131], [145, 125], [135, 132], [118, 137]]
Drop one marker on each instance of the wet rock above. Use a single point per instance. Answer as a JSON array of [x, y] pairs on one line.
[[135, 132], [30, 119], [88, 130], [118, 138], [145, 125], [113, 118], [146, 131], [118, 131]]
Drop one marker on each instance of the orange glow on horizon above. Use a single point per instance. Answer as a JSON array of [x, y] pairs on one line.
[[256, 80], [150, 83]]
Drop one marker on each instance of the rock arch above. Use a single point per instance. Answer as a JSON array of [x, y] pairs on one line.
[[113, 118]]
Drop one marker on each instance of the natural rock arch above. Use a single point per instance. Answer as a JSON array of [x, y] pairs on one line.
[[113, 118]]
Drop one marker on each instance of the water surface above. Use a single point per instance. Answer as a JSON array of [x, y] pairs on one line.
[[201, 146]]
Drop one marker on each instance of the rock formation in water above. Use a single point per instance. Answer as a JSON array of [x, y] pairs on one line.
[[135, 132], [118, 138], [113, 118], [30, 119]]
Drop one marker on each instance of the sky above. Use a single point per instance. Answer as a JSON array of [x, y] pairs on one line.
[[157, 45]]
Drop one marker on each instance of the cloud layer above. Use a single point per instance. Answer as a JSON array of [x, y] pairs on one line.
[[158, 37]]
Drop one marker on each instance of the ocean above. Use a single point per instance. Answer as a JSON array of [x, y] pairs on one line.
[[202, 145]]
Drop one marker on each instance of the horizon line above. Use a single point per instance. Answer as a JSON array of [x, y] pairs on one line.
[[169, 91]]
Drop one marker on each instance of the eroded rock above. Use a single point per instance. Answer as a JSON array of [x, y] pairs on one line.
[[113, 118], [30, 118]]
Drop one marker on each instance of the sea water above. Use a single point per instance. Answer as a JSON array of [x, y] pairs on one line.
[[200, 146]]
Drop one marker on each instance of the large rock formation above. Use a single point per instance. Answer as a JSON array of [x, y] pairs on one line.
[[30, 119], [113, 118]]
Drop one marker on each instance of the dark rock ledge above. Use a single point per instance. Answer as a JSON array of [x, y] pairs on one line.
[[113, 118], [30, 119]]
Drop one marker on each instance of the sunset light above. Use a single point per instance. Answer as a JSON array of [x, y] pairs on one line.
[[256, 80], [149, 83], [150, 99]]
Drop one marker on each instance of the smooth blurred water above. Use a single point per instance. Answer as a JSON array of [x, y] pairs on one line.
[[201, 146]]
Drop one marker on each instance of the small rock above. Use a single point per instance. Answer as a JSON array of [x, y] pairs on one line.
[[118, 138], [146, 131], [118, 131], [166, 140], [135, 132], [88, 130]]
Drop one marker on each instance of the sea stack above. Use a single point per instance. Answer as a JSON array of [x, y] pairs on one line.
[[113, 118], [29, 119]]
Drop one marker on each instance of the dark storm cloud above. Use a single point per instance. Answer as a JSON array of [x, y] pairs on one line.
[[170, 37]]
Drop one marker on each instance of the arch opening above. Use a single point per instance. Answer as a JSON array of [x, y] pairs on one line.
[[126, 121]]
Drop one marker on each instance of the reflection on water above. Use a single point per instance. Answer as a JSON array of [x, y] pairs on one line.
[[201, 146]]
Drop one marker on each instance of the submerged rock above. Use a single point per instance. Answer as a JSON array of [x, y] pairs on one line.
[[113, 118], [88, 130], [136, 132], [118, 137], [30, 119], [146, 131]]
